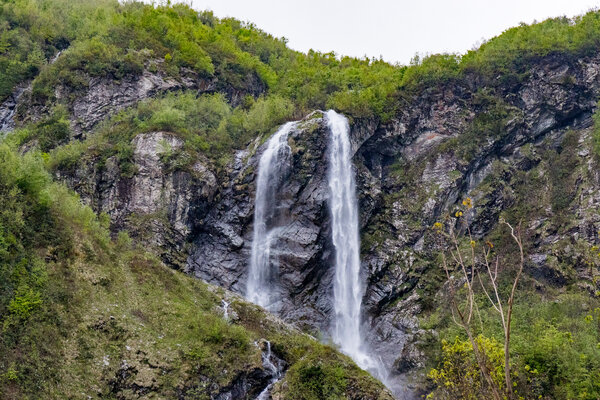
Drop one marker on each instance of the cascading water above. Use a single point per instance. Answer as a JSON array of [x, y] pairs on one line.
[[274, 366], [225, 309], [263, 263], [8, 110], [348, 290], [347, 287]]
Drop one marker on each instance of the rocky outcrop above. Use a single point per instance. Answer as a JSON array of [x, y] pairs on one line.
[[158, 205], [8, 109], [223, 244], [103, 96], [106, 96]]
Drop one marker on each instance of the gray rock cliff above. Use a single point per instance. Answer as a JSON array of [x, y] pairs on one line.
[[497, 142]]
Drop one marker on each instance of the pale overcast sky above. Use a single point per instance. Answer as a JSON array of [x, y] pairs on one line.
[[394, 29]]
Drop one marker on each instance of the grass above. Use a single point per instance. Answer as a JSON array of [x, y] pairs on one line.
[[86, 315]]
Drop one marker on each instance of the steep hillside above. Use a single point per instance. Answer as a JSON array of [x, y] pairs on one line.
[[157, 118], [84, 316]]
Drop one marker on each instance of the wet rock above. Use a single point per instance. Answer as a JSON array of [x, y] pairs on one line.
[[8, 109], [223, 244]]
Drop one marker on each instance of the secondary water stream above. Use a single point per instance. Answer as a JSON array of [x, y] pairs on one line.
[[273, 365], [263, 265]]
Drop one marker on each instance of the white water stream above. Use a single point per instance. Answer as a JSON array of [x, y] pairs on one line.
[[225, 309], [263, 265], [275, 370], [347, 287]]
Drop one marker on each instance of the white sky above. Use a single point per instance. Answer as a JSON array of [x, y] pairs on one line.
[[394, 29]]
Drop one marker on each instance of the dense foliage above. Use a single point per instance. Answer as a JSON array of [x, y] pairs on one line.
[[555, 338], [556, 351], [101, 38]]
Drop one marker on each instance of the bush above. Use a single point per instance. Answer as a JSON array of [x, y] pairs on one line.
[[459, 375], [555, 352], [312, 379], [432, 70], [53, 130], [26, 300], [265, 114], [85, 59], [558, 347]]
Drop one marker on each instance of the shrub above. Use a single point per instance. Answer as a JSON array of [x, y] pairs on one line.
[[313, 379], [26, 300], [459, 375], [265, 114], [53, 130]]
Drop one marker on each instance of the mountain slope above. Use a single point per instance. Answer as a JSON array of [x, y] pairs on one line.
[[84, 316], [157, 117]]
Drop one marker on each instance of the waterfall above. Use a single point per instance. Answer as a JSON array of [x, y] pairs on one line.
[[275, 369], [347, 287], [225, 310], [263, 264], [8, 110]]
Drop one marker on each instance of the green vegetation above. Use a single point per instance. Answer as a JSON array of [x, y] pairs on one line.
[[489, 123], [564, 163], [459, 376], [106, 38], [325, 374], [83, 313], [556, 351], [207, 125], [555, 335], [512, 50]]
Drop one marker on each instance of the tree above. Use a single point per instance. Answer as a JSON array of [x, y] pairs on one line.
[[479, 271]]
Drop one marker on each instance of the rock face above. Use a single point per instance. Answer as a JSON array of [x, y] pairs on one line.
[[498, 142], [104, 96], [223, 244], [8, 109], [158, 205]]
